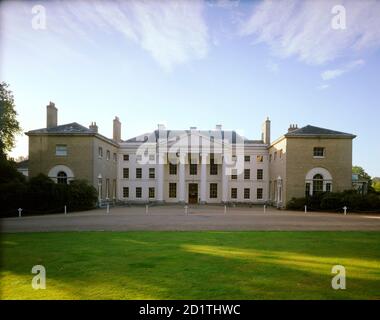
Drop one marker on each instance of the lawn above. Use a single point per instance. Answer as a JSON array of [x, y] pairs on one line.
[[190, 265]]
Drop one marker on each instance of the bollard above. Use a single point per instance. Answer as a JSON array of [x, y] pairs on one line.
[[65, 210], [265, 208], [146, 209], [305, 209], [345, 210], [108, 208], [19, 212], [186, 209], [225, 209]]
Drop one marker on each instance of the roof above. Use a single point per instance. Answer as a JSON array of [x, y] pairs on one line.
[[230, 136], [317, 131], [73, 127]]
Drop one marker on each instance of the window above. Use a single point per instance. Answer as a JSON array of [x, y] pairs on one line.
[[213, 167], [62, 177], [213, 190], [328, 187], [107, 188], [247, 174], [193, 169], [247, 158], [319, 152], [259, 193], [234, 193], [259, 174], [275, 155], [152, 157], [317, 184], [151, 193], [126, 157], [270, 158], [234, 174], [247, 193], [126, 192], [61, 150], [125, 173], [259, 158], [151, 173], [172, 169], [115, 157], [100, 152], [108, 155], [281, 154], [307, 190], [172, 190], [138, 173], [138, 192]]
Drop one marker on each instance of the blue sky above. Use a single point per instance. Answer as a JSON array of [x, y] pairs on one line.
[[197, 63]]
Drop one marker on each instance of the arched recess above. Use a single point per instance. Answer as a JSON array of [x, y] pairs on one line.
[[53, 173], [315, 176]]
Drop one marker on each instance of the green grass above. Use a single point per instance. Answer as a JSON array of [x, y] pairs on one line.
[[190, 265]]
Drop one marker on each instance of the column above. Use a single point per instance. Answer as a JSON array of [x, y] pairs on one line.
[[160, 177], [181, 181], [203, 177], [224, 182]]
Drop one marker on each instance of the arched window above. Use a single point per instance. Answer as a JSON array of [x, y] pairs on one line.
[[62, 177], [317, 183]]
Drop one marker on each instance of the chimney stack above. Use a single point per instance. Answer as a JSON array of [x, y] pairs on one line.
[[218, 127], [93, 127], [266, 131], [292, 127], [116, 130], [51, 115]]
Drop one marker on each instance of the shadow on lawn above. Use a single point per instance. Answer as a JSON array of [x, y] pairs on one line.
[[190, 265]]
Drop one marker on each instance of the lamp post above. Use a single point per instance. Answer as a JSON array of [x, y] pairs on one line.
[[99, 189]]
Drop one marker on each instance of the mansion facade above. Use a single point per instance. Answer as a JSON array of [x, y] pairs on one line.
[[193, 166]]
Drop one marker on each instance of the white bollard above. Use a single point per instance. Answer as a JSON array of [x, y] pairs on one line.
[[65, 210], [305, 209], [265, 208], [19, 212], [225, 209], [108, 208], [345, 210], [186, 209], [146, 209]]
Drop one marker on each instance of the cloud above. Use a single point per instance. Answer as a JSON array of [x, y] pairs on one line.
[[172, 32], [323, 87], [303, 29], [334, 73]]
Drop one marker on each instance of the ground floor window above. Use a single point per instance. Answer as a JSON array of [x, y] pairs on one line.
[[317, 184], [62, 177], [234, 193], [126, 192], [172, 190], [247, 193], [259, 193], [213, 190], [138, 192], [151, 192]]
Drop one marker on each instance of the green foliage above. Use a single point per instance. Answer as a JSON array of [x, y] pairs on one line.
[[361, 173], [9, 126], [376, 184], [336, 201]]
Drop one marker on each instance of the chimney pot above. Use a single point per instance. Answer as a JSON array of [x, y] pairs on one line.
[[51, 115]]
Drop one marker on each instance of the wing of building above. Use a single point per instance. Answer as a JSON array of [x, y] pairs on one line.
[[193, 166]]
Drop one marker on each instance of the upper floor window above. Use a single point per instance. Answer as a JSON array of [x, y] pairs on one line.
[[125, 173], [213, 167], [281, 154], [234, 174], [259, 158], [247, 174], [319, 152], [172, 169], [61, 150], [138, 173], [193, 169], [152, 157], [138, 157], [108, 155], [247, 158], [126, 157], [152, 173], [259, 174], [100, 152], [115, 157]]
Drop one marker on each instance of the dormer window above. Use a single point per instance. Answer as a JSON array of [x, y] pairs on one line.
[[319, 152]]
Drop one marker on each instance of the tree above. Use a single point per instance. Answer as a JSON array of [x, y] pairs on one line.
[[361, 173], [376, 184], [9, 126]]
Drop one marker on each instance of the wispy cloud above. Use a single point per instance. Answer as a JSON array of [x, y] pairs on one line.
[[334, 73], [323, 87], [303, 28], [172, 32]]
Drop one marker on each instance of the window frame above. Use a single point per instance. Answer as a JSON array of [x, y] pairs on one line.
[[213, 191], [62, 152], [247, 191], [172, 190], [138, 173]]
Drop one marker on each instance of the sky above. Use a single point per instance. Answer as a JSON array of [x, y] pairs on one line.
[[197, 63]]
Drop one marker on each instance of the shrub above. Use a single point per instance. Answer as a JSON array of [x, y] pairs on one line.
[[332, 201], [81, 195], [296, 204]]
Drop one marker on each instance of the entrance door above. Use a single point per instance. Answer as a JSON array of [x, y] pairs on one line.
[[193, 193]]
